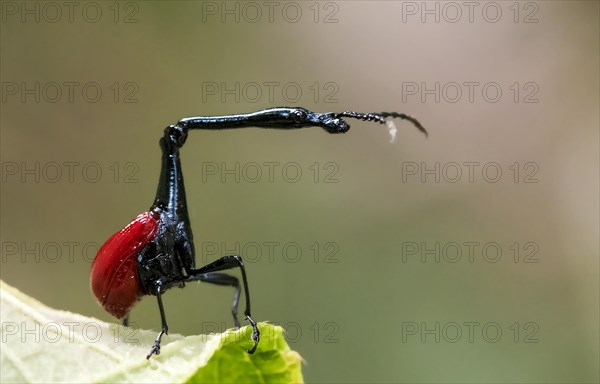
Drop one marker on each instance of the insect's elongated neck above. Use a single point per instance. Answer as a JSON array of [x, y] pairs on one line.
[[275, 118], [171, 192], [290, 118], [170, 195]]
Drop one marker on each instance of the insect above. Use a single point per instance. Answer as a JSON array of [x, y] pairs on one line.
[[155, 252]]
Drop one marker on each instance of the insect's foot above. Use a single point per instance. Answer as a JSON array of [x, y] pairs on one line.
[[255, 334], [155, 350]]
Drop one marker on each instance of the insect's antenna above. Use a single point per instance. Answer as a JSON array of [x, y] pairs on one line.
[[381, 116], [404, 116], [363, 116]]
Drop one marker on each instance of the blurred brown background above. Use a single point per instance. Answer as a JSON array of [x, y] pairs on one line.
[[420, 263]]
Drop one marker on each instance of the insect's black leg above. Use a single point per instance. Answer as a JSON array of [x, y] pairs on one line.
[[165, 328], [126, 320], [230, 262], [223, 279]]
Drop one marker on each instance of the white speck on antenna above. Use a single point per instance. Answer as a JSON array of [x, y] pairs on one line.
[[392, 128]]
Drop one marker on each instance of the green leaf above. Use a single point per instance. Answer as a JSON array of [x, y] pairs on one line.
[[41, 344]]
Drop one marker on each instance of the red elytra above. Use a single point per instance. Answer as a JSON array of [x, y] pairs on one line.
[[114, 278]]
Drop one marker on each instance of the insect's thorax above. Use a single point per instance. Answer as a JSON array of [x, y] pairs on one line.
[[169, 257]]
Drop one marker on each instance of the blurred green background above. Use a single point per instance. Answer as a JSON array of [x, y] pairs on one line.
[[378, 302]]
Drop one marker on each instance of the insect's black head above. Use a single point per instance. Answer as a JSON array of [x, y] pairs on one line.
[[332, 123], [328, 121]]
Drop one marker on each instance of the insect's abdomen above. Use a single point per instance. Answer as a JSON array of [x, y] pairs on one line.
[[114, 278]]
